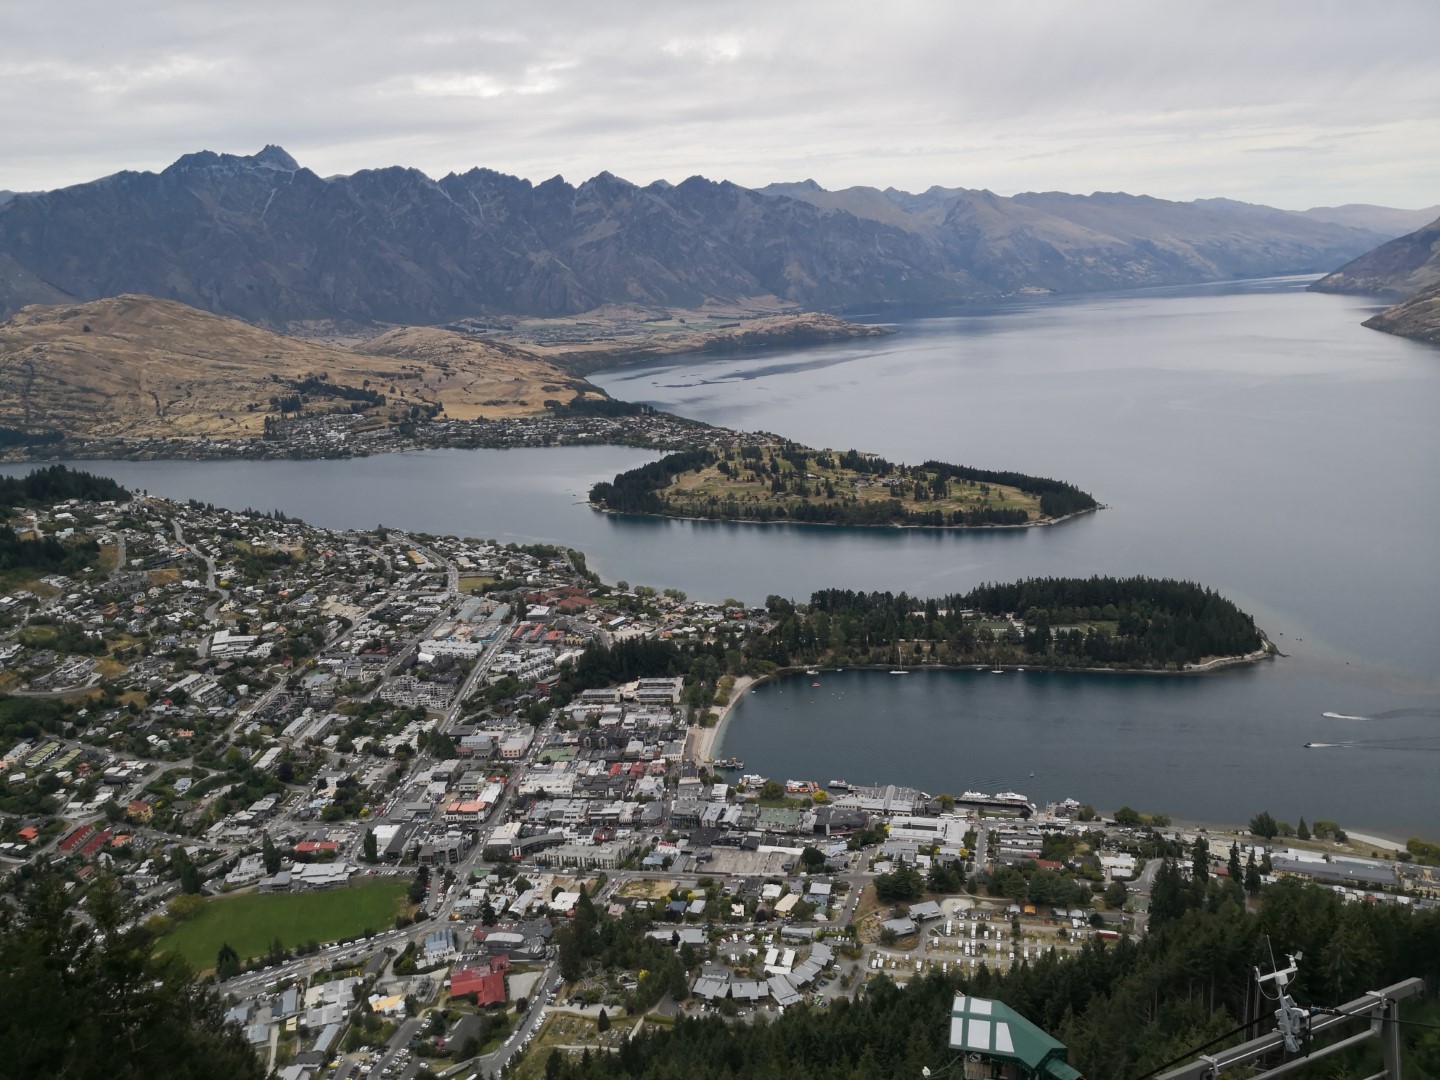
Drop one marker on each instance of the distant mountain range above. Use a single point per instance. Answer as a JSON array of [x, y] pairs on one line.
[[260, 238]]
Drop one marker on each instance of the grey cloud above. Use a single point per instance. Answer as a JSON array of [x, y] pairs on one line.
[[1179, 101]]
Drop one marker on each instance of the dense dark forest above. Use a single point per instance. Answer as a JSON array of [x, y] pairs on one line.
[[640, 491], [634, 492], [91, 999], [56, 483], [1065, 622], [1123, 1008], [46, 555]]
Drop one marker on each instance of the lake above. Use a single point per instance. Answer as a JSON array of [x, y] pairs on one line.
[[1251, 436]]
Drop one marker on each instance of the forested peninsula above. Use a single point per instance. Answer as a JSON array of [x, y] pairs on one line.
[[784, 481], [1136, 623]]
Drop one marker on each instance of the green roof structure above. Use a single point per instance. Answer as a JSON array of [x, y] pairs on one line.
[[994, 1031]]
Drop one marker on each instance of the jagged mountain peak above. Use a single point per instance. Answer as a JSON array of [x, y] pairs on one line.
[[259, 237], [271, 157], [275, 157]]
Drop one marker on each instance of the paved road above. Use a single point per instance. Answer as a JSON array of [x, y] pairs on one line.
[[211, 582], [492, 1064]]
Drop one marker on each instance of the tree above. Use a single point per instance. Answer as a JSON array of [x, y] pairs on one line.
[[1264, 825], [1252, 875], [812, 860], [1168, 896], [1233, 866], [1116, 893], [903, 883], [1200, 860], [945, 877], [772, 790], [1351, 958], [1126, 816], [602, 1022], [227, 963], [372, 847], [91, 999], [185, 870], [271, 854], [1302, 831]]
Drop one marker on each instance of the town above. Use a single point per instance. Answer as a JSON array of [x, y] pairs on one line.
[[438, 805], [342, 434]]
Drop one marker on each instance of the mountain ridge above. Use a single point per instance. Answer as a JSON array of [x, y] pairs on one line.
[[262, 238], [1397, 268]]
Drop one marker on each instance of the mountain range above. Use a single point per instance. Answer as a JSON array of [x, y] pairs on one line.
[[260, 238]]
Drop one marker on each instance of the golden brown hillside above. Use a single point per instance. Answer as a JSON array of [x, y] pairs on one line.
[[137, 366], [474, 378]]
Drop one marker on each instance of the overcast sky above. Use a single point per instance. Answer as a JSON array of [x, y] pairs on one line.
[[1292, 104]]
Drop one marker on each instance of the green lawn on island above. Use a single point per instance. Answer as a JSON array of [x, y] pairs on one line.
[[251, 922]]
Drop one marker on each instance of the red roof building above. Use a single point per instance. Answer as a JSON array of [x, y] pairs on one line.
[[76, 838], [313, 849], [486, 981]]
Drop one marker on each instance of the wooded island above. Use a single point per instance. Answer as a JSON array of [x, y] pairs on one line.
[[784, 481]]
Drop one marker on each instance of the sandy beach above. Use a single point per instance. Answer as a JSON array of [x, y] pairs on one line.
[[703, 740]]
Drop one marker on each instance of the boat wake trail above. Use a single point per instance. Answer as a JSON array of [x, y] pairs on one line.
[[1400, 714], [1343, 716], [1409, 745]]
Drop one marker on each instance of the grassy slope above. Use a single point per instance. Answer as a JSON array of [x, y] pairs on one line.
[[250, 922], [140, 366], [692, 489]]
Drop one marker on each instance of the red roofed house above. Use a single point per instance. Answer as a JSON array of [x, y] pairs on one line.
[[316, 849], [29, 834], [486, 981]]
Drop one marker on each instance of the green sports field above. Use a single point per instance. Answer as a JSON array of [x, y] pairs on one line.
[[251, 922]]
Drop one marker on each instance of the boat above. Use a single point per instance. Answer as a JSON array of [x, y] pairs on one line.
[[730, 763], [838, 785], [997, 671], [815, 683], [811, 671], [899, 672]]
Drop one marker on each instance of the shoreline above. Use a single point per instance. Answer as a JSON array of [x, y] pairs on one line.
[[1240, 832], [849, 525], [707, 742]]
